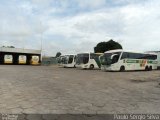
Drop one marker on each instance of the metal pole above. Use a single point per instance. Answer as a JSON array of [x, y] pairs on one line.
[[41, 44], [41, 41]]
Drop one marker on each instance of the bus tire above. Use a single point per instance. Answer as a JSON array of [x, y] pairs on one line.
[[146, 68], [122, 69], [150, 68], [91, 67]]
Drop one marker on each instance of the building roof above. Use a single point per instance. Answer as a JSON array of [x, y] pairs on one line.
[[20, 50], [120, 50]]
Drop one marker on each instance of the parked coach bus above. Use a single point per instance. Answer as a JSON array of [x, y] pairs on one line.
[[69, 61], [61, 60], [8, 59], [119, 60], [88, 61], [22, 59], [35, 60]]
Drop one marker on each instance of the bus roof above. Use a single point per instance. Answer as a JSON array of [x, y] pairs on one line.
[[117, 50], [91, 53], [69, 55], [66, 55], [120, 50]]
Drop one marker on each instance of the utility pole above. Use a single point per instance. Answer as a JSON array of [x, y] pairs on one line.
[[41, 40]]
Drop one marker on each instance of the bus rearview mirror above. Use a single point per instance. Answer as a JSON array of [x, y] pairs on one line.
[[113, 56]]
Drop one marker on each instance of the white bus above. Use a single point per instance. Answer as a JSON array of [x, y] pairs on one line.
[[88, 61], [35, 60], [22, 59], [8, 59], [119, 60], [69, 61], [61, 60]]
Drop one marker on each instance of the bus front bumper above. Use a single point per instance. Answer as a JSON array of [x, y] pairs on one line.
[[69, 66], [106, 68], [82, 66]]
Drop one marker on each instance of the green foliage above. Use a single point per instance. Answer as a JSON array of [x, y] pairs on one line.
[[8, 46], [58, 54], [106, 46], [11, 46]]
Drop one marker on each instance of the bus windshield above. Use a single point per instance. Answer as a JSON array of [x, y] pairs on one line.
[[70, 59], [62, 60], [107, 60], [82, 58], [66, 59]]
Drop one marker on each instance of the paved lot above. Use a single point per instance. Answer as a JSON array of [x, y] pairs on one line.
[[43, 89]]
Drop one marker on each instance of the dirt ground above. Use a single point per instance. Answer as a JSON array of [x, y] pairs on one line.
[[50, 89]]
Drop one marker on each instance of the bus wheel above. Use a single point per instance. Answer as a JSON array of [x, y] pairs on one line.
[[146, 68], [91, 67], [150, 68], [122, 69]]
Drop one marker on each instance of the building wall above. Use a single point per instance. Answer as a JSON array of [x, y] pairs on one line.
[[16, 57], [19, 50]]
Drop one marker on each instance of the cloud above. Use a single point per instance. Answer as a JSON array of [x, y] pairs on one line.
[[19, 26], [91, 3], [84, 31], [72, 26], [41, 1], [142, 26], [133, 25]]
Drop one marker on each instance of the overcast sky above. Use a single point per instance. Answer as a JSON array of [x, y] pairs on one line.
[[72, 26]]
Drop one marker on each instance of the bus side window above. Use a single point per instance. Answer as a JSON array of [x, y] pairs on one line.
[[154, 57], [92, 56], [75, 58], [115, 59], [71, 58], [124, 55], [151, 57]]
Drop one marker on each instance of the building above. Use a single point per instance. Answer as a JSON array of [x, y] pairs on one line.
[[19, 56]]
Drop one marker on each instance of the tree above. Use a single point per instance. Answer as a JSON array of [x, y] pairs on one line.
[[106, 46], [11, 46], [8, 46], [58, 54]]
